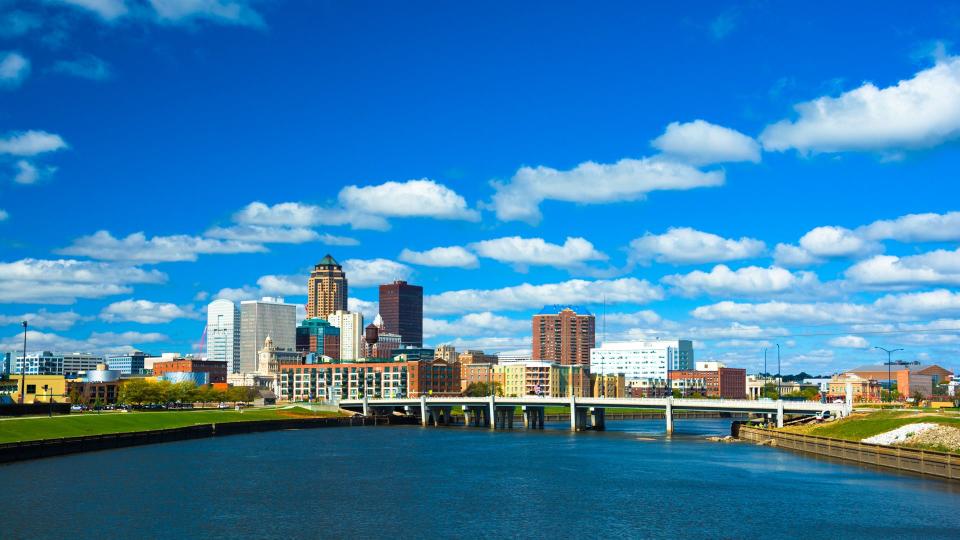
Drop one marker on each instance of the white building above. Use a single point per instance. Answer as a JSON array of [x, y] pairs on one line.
[[642, 362], [261, 318], [223, 333], [48, 363], [709, 366], [351, 333]]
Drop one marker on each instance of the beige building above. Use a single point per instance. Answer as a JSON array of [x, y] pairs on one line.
[[538, 378], [326, 289], [477, 357], [610, 385], [447, 353]]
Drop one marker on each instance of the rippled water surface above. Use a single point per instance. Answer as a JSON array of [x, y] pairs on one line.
[[412, 482]]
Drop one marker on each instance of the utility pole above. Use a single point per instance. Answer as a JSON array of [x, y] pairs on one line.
[[23, 364], [889, 370], [779, 376]]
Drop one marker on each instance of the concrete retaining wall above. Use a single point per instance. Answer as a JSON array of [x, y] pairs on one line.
[[925, 462]]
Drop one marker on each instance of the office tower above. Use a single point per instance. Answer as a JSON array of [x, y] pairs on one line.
[[320, 337], [261, 318], [223, 334], [563, 334], [351, 333], [326, 289], [401, 306]]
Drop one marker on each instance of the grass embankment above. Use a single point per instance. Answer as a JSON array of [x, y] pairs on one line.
[[76, 425], [859, 426]]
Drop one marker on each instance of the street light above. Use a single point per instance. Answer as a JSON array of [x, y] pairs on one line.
[[23, 364], [889, 372]]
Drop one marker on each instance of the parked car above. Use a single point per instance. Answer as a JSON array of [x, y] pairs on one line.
[[75, 408]]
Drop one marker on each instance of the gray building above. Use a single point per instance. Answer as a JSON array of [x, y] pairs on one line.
[[259, 319], [127, 364], [223, 334], [66, 364]]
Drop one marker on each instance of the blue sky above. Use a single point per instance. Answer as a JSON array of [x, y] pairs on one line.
[[741, 175]]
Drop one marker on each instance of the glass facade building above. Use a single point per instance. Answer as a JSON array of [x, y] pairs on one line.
[[261, 318], [223, 334]]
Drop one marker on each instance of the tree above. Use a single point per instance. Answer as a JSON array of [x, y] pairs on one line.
[[182, 392], [480, 389], [135, 392], [243, 394], [918, 397], [770, 391]]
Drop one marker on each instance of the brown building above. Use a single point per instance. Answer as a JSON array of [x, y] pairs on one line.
[[474, 357], [883, 372], [91, 393], [401, 308], [353, 380], [725, 383], [217, 370], [563, 334], [610, 385], [326, 289], [318, 336]]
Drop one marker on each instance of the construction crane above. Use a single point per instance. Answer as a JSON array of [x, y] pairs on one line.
[[202, 344]]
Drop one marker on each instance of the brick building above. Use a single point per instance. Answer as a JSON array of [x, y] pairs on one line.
[[316, 335], [726, 383], [401, 308], [564, 334], [217, 371], [352, 380]]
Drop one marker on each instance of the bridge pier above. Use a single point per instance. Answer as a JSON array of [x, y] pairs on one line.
[[492, 419], [779, 413], [598, 418], [423, 411], [503, 418], [533, 417], [366, 406], [668, 414]]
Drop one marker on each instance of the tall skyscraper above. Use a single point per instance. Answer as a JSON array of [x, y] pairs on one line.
[[326, 289], [401, 307], [261, 318], [351, 333], [563, 334], [223, 334]]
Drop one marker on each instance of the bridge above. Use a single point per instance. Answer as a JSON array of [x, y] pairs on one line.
[[498, 412]]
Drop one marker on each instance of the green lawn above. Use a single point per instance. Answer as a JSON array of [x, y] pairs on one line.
[[861, 426], [74, 425]]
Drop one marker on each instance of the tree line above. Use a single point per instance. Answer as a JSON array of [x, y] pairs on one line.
[[142, 392]]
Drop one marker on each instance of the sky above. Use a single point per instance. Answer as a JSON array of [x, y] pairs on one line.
[[743, 175]]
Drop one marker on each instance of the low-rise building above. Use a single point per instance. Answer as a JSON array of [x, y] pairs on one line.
[[128, 364], [39, 388], [477, 357], [352, 380], [216, 371], [478, 373], [722, 382], [611, 385], [542, 378], [882, 372], [863, 390], [49, 363], [96, 386]]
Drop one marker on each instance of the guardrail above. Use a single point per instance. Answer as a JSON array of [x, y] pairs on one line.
[[925, 462]]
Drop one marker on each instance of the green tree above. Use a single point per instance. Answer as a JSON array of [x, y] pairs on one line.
[[770, 391], [243, 394], [182, 392], [135, 392], [480, 389]]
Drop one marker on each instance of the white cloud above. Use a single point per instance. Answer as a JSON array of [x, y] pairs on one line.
[[849, 342], [537, 251], [594, 183], [56, 320], [14, 68], [703, 143], [641, 317], [367, 207], [28, 173], [474, 325], [823, 243], [368, 308], [747, 281], [527, 296], [85, 66], [62, 281], [4, 215], [137, 247], [443, 257], [920, 112], [940, 267], [928, 227], [683, 245], [106, 9], [146, 312], [222, 11], [97, 342], [258, 234], [372, 272], [273, 285], [937, 303], [30, 143]]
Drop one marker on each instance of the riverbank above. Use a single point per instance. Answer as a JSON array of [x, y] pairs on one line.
[[863, 425]]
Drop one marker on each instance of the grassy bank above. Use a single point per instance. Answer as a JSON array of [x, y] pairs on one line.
[[76, 425], [862, 425]]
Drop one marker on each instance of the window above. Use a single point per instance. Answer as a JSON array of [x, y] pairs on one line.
[[31, 389]]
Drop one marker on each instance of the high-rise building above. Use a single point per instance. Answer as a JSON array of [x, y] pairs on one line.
[[261, 318], [447, 353], [351, 333], [320, 337], [401, 306], [223, 334], [563, 334], [645, 364], [326, 289]]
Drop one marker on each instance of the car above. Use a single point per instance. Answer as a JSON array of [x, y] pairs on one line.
[[76, 407]]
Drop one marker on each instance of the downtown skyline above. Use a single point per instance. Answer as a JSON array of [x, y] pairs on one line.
[[719, 178]]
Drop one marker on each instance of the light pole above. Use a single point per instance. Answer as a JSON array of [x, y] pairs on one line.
[[23, 364], [764, 361], [889, 371], [779, 379]]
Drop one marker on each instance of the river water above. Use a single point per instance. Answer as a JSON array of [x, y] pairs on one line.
[[412, 482]]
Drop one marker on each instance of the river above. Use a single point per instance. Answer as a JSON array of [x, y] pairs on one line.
[[412, 482]]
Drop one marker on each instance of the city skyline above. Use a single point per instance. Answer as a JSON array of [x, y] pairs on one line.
[[753, 182]]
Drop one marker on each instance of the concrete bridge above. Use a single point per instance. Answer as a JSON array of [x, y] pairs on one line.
[[498, 412]]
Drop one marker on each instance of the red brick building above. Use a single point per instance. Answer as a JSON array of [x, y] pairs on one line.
[[726, 383], [217, 370], [564, 334]]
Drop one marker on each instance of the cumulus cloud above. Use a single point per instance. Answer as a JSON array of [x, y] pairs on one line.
[[138, 248], [703, 143], [97, 342], [220, 11], [940, 267], [259, 234], [919, 112], [4, 215], [823, 243], [849, 342], [940, 302], [56, 320], [30, 143], [747, 281], [14, 68], [537, 251], [368, 308], [594, 183], [106, 9], [84, 66], [146, 312], [372, 272], [268, 285], [443, 257], [683, 245], [367, 207], [473, 325], [928, 227], [62, 281], [527, 296]]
